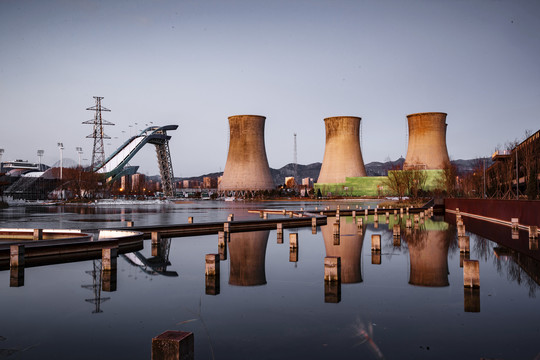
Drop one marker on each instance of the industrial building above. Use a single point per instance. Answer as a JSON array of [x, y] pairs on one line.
[[427, 141], [247, 165], [342, 154]]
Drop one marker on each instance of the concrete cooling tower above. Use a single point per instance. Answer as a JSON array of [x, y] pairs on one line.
[[247, 166], [427, 141], [342, 154]]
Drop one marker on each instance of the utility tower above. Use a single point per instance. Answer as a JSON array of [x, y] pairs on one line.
[[295, 161], [98, 152]]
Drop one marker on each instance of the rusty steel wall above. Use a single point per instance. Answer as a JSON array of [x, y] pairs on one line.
[[247, 165], [427, 141], [527, 211], [342, 154]]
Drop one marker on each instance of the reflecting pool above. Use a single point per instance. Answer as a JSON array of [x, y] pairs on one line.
[[406, 301]]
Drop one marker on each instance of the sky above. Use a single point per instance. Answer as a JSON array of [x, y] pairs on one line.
[[194, 63]]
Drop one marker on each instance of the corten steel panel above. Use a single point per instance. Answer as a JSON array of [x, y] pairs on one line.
[[427, 141], [342, 154], [247, 258], [428, 251], [527, 211], [247, 165], [349, 248]]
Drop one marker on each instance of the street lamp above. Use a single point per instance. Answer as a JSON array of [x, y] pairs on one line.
[[1, 152], [61, 147], [80, 151], [40, 155]]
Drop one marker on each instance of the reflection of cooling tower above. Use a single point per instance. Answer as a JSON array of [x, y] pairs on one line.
[[342, 154], [247, 165], [247, 252], [427, 141], [428, 251], [349, 248]]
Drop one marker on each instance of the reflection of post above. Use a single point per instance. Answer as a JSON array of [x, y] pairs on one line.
[[293, 247], [109, 280], [349, 248], [471, 300], [172, 345], [428, 251], [332, 279], [247, 258], [471, 273], [16, 276], [211, 273]]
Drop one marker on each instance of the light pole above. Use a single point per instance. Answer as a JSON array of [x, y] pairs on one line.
[[79, 151], [1, 153], [40, 155], [61, 147]]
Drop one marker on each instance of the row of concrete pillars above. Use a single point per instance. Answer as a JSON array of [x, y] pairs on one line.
[[471, 269], [108, 265]]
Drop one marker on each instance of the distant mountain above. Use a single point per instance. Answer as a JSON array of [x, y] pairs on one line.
[[374, 168]]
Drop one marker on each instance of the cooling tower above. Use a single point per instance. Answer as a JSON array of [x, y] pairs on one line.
[[247, 166], [349, 248], [427, 141], [428, 252], [342, 154], [247, 255]]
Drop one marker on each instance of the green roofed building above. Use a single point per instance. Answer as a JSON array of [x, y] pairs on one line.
[[372, 185]]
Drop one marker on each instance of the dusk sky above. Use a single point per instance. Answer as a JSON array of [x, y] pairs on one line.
[[194, 63]]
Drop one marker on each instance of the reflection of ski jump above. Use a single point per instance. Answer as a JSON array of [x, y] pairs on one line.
[[156, 265], [115, 165]]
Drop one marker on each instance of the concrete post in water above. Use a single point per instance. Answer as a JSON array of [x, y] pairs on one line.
[[471, 273], [231, 217], [515, 223], [354, 213], [533, 232], [212, 265], [16, 256], [376, 242], [173, 345], [221, 239], [387, 215], [314, 221], [156, 237], [396, 230], [408, 223], [332, 268], [422, 215], [395, 211], [515, 234], [293, 240], [130, 223], [459, 222], [279, 232], [397, 240], [226, 227], [401, 211], [461, 230], [38, 234], [261, 214], [291, 214], [533, 244], [366, 212], [190, 220], [416, 218], [265, 215], [284, 212], [109, 257], [376, 224], [464, 244], [375, 217]]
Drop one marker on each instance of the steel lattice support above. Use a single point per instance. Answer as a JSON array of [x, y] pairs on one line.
[[98, 152], [165, 168]]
